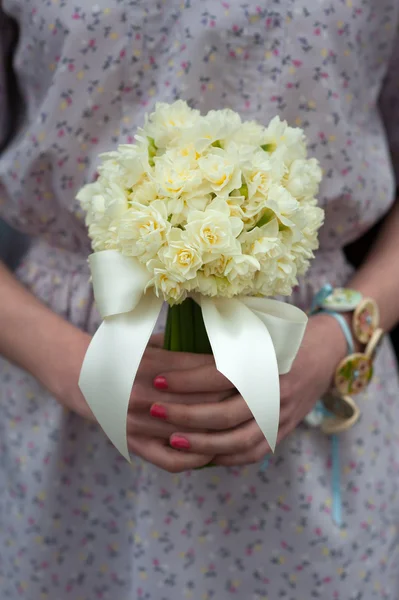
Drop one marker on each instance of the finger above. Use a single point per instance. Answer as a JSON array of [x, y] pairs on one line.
[[164, 457], [214, 416], [143, 397], [244, 458], [159, 359], [243, 439], [143, 426], [286, 411], [156, 340], [193, 399], [258, 454], [204, 378]]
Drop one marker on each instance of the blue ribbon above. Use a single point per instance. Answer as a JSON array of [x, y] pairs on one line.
[[336, 481], [265, 464], [321, 295], [317, 302]]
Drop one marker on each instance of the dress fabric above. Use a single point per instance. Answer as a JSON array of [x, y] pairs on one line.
[[78, 522]]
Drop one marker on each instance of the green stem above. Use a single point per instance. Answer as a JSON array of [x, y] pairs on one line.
[[187, 326], [168, 332], [175, 344], [202, 345], [185, 329]]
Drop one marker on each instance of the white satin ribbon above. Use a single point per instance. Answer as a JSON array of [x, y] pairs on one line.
[[253, 340]]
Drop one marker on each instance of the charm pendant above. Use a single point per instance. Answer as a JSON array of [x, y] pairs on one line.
[[338, 406], [345, 414], [365, 320], [374, 344], [342, 300], [353, 374]]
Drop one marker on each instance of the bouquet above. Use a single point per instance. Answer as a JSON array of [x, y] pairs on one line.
[[212, 215]]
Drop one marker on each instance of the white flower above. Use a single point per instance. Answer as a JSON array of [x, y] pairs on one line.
[[290, 139], [241, 266], [217, 266], [203, 284], [232, 266], [127, 166], [286, 208], [227, 288], [250, 133], [303, 249], [303, 178], [179, 207], [286, 276], [143, 230], [277, 278], [235, 205], [179, 256], [213, 231], [144, 193], [186, 151], [175, 175], [104, 236], [264, 243], [166, 124], [260, 172], [223, 173], [166, 284], [103, 201], [314, 218], [213, 129]]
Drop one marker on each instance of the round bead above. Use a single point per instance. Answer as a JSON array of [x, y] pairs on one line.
[[365, 320], [353, 374], [374, 344], [342, 300]]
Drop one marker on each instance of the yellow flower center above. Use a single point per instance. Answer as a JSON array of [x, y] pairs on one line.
[[184, 257], [210, 236], [221, 180], [149, 225]]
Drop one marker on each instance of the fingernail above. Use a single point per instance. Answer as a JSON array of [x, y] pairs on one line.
[[159, 412], [180, 443], [160, 383]]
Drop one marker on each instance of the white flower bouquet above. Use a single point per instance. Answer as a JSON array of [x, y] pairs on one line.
[[212, 215]]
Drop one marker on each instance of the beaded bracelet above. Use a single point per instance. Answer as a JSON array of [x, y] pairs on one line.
[[355, 371]]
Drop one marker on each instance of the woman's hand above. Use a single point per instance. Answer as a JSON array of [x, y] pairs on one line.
[[233, 436], [148, 437]]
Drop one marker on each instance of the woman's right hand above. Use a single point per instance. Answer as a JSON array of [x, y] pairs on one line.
[[41, 342], [148, 437]]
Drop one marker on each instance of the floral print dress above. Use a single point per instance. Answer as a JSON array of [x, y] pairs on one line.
[[78, 522]]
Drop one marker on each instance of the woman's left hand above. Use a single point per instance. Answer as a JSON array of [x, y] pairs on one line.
[[228, 432]]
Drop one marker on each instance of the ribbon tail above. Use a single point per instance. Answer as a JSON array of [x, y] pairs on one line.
[[244, 353], [336, 481], [111, 363]]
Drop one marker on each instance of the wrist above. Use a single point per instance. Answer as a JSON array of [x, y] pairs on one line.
[[41, 342], [335, 341], [60, 373]]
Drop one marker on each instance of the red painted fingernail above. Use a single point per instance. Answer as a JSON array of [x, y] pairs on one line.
[[159, 412], [160, 383], [180, 443]]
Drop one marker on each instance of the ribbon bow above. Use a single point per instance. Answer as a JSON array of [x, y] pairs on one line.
[[253, 340]]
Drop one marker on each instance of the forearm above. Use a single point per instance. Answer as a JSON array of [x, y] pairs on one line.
[[35, 338], [378, 277]]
